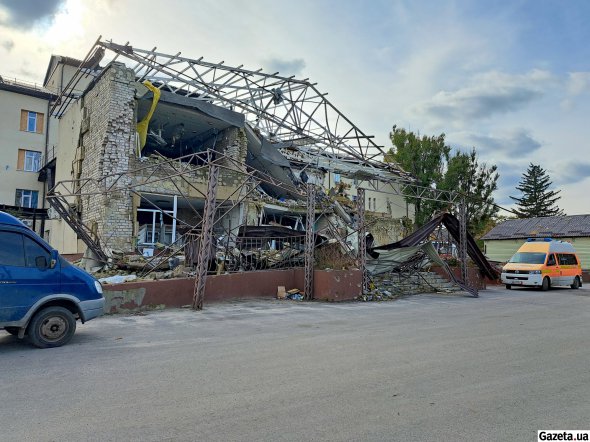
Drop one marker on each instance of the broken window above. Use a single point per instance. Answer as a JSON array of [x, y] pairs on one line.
[[155, 227]]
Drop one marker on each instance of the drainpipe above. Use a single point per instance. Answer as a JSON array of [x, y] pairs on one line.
[[45, 182]]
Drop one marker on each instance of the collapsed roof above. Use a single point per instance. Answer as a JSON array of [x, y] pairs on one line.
[[280, 109], [452, 225]]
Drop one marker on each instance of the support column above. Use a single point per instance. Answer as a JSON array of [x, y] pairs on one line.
[[309, 243], [206, 239], [362, 238], [463, 242], [175, 215]]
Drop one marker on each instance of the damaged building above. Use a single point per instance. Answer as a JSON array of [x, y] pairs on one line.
[[130, 174]]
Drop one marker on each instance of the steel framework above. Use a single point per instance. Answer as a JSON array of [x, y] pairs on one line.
[[282, 108]]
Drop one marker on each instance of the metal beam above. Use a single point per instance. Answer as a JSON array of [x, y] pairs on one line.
[[362, 238], [309, 243], [206, 239], [463, 246]]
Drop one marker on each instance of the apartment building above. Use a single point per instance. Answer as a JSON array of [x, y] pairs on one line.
[[27, 141]]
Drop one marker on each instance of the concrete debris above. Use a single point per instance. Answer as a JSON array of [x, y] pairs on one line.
[[117, 279], [378, 295], [394, 286]]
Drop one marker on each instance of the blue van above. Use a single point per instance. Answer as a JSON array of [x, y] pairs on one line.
[[41, 294]]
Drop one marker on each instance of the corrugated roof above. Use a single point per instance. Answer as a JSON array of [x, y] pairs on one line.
[[549, 226]]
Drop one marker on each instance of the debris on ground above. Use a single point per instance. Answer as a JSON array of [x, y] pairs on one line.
[[293, 294], [117, 279], [378, 295]]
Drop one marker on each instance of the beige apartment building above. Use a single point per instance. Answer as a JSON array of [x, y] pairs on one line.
[[27, 141]]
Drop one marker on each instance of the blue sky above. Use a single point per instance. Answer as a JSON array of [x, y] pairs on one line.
[[510, 78]]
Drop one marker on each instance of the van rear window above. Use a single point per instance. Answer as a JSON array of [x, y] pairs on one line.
[[567, 259], [528, 258]]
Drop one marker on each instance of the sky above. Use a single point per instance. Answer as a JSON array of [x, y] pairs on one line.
[[510, 78]]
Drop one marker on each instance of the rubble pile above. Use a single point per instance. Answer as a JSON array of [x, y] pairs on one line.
[[381, 289]]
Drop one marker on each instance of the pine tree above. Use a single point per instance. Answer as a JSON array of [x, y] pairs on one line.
[[537, 200]]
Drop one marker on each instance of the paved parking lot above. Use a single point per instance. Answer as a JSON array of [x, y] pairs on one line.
[[427, 367]]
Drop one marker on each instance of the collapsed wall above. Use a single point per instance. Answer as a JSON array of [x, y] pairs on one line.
[[108, 154], [108, 142]]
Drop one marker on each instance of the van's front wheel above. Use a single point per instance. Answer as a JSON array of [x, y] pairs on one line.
[[576, 284], [52, 327], [546, 284]]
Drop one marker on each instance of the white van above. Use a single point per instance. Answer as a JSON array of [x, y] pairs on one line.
[[543, 263]]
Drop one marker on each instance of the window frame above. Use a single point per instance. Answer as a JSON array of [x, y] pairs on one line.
[[567, 259], [32, 121], [22, 242], [19, 202], [34, 157], [30, 261], [31, 118]]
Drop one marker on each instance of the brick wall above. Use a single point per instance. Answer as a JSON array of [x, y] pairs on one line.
[[108, 146], [110, 150]]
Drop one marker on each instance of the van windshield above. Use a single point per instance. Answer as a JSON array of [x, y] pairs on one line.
[[528, 258]]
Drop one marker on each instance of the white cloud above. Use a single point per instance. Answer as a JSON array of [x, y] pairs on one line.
[[488, 94], [285, 67], [572, 172], [8, 45], [24, 14], [578, 83], [513, 142]]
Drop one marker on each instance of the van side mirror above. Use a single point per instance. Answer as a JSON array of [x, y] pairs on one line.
[[41, 262], [54, 257]]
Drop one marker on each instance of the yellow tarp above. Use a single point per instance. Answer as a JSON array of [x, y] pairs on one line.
[[142, 126]]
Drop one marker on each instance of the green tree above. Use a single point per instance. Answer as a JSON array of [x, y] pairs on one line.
[[536, 200], [428, 160], [424, 157], [477, 182]]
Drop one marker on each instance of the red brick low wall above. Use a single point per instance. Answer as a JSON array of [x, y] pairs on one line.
[[329, 285], [336, 285]]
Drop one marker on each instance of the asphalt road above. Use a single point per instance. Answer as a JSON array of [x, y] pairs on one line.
[[427, 367]]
